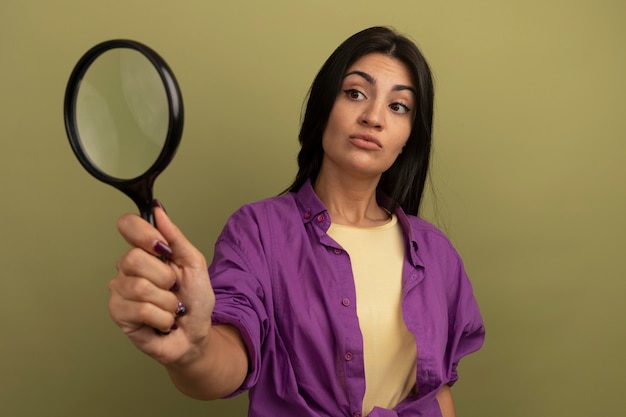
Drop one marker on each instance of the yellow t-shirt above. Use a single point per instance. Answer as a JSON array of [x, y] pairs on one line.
[[377, 257]]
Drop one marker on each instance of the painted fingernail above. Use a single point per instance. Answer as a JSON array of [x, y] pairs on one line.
[[175, 287], [181, 310], [162, 249], [174, 326], [157, 203]]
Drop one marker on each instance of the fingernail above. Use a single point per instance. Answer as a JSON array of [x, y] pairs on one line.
[[175, 287], [174, 326], [162, 249], [157, 203], [180, 310]]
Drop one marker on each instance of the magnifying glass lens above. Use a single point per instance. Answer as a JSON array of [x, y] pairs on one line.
[[124, 117]]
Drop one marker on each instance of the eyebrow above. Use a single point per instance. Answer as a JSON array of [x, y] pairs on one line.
[[371, 80]]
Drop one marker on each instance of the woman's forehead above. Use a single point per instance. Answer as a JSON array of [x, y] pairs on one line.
[[378, 65]]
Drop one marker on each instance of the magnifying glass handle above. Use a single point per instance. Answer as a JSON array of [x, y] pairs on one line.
[[141, 194], [148, 215]]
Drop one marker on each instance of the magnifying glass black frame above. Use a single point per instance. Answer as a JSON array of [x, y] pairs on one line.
[[139, 189]]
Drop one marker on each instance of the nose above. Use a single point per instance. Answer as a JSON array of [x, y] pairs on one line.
[[373, 116]]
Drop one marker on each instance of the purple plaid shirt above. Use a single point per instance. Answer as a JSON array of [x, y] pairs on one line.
[[288, 287]]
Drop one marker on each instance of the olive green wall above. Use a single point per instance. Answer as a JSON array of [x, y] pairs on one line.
[[529, 168]]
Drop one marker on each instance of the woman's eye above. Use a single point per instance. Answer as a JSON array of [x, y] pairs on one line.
[[399, 108], [353, 94]]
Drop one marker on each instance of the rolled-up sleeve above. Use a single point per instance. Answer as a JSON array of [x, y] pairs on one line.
[[237, 273], [466, 328]]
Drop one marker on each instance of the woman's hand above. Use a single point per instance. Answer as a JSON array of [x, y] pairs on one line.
[[150, 296]]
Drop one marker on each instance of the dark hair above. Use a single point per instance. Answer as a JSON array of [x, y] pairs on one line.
[[404, 181]]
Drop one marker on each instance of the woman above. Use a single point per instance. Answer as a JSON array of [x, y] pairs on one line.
[[333, 299]]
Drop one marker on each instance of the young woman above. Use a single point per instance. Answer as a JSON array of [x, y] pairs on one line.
[[333, 299]]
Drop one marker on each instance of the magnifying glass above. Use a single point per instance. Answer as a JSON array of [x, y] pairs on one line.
[[124, 117]]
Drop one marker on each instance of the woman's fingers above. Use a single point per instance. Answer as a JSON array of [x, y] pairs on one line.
[[140, 293], [137, 302], [141, 234], [183, 252], [165, 241], [133, 316], [138, 263]]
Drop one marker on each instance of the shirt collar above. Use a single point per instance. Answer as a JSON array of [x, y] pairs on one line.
[[309, 204], [403, 219], [311, 208]]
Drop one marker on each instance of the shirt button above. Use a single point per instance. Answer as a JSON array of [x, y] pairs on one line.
[[345, 302], [320, 218], [337, 251], [307, 215], [348, 356], [357, 414]]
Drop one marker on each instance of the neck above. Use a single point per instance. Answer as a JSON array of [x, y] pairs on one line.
[[351, 201]]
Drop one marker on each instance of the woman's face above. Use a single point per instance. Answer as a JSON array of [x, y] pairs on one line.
[[371, 118]]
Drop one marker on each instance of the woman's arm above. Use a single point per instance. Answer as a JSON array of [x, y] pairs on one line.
[[444, 397], [218, 370]]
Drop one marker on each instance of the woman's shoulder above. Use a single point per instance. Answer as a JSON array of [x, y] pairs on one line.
[[426, 234], [273, 209], [423, 226], [281, 204], [259, 219]]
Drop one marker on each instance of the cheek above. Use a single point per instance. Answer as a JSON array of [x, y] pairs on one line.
[[331, 130], [405, 134], [402, 145]]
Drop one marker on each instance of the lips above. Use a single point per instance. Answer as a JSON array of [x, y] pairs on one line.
[[367, 140]]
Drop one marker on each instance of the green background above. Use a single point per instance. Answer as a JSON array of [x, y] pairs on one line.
[[528, 170]]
